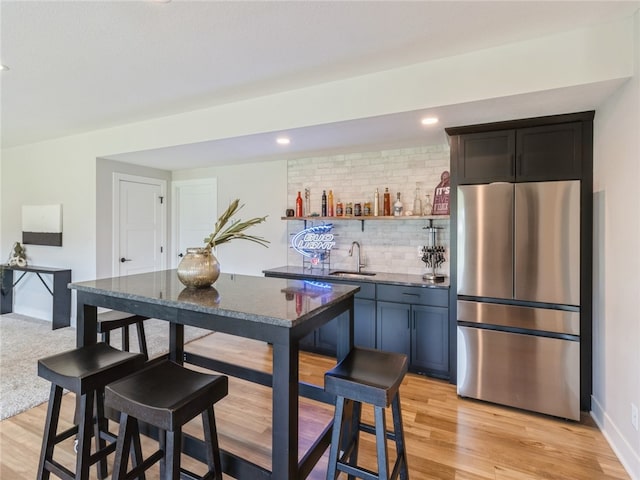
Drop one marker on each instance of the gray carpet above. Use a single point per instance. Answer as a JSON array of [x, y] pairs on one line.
[[23, 340]]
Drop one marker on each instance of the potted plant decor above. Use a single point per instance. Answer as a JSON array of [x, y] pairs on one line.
[[200, 268]]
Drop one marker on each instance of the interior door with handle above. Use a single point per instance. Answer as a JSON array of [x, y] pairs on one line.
[[140, 220]]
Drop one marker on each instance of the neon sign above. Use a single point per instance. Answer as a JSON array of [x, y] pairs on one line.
[[314, 242]]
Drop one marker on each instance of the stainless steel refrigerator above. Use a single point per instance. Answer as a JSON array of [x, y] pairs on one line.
[[519, 294]]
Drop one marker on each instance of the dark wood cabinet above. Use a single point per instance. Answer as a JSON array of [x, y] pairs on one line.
[[487, 157], [549, 152], [364, 328], [405, 318], [365, 323], [430, 340], [546, 148], [394, 327], [415, 321]]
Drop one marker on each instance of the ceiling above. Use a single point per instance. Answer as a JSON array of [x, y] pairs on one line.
[[77, 66]]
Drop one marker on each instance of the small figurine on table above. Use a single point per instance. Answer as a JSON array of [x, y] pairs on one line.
[[18, 257]]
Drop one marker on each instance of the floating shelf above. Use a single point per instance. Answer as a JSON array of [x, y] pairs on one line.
[[362, 219]]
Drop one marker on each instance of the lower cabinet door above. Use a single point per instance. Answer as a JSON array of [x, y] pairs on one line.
[[430, 340], [365, 323], [394, 333], [327, 337], [308, 342]]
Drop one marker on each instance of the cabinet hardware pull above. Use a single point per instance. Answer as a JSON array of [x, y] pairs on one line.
[[411, 294]]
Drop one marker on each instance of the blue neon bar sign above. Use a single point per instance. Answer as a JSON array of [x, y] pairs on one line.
[[314, 242]]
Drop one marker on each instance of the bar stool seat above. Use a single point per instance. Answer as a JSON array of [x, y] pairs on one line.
[[113, 319], [84, 371], [167, 396], [372, 377]]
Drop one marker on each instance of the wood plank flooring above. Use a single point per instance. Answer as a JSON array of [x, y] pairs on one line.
[[447, 437]]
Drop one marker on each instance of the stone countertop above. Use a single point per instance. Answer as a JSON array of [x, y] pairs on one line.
[[379, 277], [250, 298]]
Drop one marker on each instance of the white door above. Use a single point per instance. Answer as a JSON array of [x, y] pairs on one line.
[[194, 214], [139, 224]]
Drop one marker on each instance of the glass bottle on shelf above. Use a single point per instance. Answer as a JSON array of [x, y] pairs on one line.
[[397, 207], [299, 210], [428, 206], [417, 202]]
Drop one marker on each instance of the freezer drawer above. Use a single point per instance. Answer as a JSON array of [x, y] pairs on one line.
[[529, 318], [525, 371]]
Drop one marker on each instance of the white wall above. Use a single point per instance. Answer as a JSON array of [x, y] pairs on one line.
[[55, 172], [616, 290], [262, 188]]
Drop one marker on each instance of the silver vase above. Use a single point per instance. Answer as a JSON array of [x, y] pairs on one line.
[[199, 268]]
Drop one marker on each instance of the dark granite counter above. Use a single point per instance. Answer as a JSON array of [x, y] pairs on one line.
[[252, 298], [379, 277]]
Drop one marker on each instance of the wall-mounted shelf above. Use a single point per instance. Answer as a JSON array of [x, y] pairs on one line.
[[362, 219]]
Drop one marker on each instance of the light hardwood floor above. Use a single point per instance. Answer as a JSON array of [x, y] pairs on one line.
[[447, 437]]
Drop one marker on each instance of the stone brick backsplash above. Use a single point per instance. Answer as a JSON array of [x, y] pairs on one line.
[[389, 245]]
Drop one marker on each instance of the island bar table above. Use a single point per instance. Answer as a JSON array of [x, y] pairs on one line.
[[278, 311]]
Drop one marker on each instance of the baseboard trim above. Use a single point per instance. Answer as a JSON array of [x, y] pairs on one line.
[[629, 459]]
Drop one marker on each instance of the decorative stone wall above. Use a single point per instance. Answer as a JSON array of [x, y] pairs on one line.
[[387, 245]]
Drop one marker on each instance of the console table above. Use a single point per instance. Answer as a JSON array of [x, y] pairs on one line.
[[60, 293]]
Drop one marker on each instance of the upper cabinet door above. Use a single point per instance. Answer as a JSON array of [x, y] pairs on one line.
[[486, 157], [552, 152]]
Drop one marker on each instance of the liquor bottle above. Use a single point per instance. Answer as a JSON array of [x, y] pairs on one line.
[[397, 207], [417, 203], [348, 209], [386, 207], [428, 206], [330, 205], [299, 206], [339, 210], [376, 203], [324, 203], [307, 202]]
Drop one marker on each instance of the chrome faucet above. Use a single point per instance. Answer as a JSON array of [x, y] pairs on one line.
[[359, 265]]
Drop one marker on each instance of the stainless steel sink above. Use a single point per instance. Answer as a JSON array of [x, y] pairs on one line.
[[347, 273]]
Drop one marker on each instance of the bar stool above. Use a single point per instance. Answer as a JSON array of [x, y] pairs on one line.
[[84, 371], [167, 396], [373, 377], [113, 319]]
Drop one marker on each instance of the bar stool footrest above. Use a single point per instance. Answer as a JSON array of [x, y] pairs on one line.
[[144, 465], [96, 457], [365, 427], [359, 472], [59, 470], [62, 436]]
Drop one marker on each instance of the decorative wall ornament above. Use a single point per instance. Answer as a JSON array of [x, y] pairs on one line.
[[42, 225], [441, 197]]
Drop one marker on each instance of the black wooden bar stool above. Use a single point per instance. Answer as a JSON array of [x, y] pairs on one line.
[[373, 377], [166, 395], [84, 371], [113, 319]]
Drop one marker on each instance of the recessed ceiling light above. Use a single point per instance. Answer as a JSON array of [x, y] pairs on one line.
[[4, 67], [429, 120], [283, 141]]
